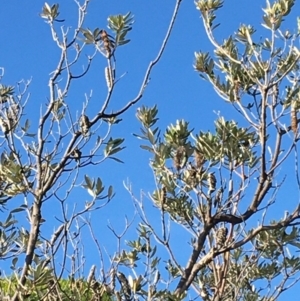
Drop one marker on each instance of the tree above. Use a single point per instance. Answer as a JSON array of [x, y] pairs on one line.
[[44, 164], [217, 186], [220, 187]]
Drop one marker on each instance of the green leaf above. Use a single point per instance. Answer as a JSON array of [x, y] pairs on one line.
[[116, 159], [14, 261], [99, 187], [89, 182], [112, 146], [120, 25], [19, 209], [148, 148], [110, 192], [116, 150]]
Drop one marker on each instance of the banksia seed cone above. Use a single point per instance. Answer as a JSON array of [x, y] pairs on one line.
[[84, 124], [221, 236], [124, 284], [275, 92], [218, 197], [236, 90], [199, 159], [192, 171], [76, 154], [163, 196], [294, 121], [106, 43], [211, 181], [84, 120], [178, 157], [45, 171]]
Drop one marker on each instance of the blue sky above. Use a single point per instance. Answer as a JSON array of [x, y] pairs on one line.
[[27, 51]]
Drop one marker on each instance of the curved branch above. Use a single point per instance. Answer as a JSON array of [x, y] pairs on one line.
[[148, 71]]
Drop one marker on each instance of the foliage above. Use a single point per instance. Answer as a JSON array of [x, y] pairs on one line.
[[43, 163], [219, 187], [79, 289]]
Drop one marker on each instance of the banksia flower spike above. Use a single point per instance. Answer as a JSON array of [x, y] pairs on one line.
[[108, 77], [294, 121], [179, 158], [76, 154], [199, 160], [84, 124], [107, 44]]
